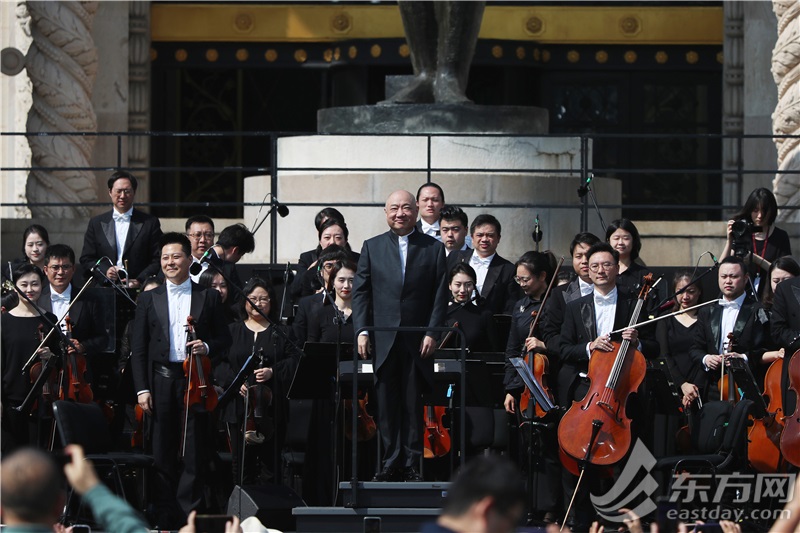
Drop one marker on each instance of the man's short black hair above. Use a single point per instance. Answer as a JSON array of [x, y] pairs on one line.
[[199, 219], [453, 212], [59, 251], [483, 219], [333, 252], [119, 174], [586, 238], [237, 235], [488, 475], [173, 237], [430, 184], [603, 247], [735, 260]]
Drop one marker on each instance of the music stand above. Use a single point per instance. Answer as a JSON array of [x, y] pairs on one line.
[[315, 375]]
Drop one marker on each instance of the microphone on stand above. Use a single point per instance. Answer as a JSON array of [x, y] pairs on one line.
[[197, 267], [282, 209]]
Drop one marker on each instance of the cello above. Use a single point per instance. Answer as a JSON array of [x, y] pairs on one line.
[[790, 439], [596, 430], [764, 448]]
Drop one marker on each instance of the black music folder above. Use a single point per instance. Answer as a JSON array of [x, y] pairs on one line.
[[315, 375]]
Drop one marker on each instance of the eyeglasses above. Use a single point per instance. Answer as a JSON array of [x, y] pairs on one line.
[[328, 266], [59, 268], [122, 192], [200, 234], [260, 300], [520, 280], [595, 267]]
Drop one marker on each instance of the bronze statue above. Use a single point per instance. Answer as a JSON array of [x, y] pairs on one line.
[[442, 38]]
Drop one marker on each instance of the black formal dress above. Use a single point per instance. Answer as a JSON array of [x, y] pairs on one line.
[[323, 325], [307, 308], [141, 245], [384, 296], [675, 341], [153, 372], [474, 321], [776, 245], [19, 340]]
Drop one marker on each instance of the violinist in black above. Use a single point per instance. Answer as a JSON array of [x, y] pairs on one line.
[[268, 383], [472, 318]]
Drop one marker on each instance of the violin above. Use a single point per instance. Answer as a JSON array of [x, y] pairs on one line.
[[436, 439], [260, 395], [790, 439], [596, 430], [728, 392], [47, 394], [365, 425], [77, 387], [197, 369], [764, 448]]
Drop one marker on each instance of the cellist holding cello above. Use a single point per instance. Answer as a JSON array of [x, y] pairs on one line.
[[588, 321], [534, 272], [159, 349]]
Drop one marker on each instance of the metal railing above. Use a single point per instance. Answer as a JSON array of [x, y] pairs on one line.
[[586, 170]]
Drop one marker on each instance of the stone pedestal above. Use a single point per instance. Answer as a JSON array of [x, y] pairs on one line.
[[513, 178], [433, 118]]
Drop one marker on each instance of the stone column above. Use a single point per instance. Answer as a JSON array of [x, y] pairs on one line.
[[62, 64], [786, 119], [732, 99], [139, 93]]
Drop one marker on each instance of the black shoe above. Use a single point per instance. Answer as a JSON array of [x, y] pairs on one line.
[[388, 474], [411, 474]]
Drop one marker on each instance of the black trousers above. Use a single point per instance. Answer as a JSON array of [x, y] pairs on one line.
[[398, 387], [184, 474]]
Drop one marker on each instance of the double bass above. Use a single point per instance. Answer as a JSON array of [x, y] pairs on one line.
[[764, 448], [596, 430]]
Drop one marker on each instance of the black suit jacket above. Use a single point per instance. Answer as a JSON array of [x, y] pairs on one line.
[[500, 291], [86, 317], [151, 330], [785, 327], [382, 297], [141, 245], [750, 332], [579, 329], [553, 317]]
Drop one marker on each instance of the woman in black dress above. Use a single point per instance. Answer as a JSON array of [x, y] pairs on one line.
[[323, 326], [753, 230], [20, 338], [267, 384], [35, 241], [623, 236], [472, 319]]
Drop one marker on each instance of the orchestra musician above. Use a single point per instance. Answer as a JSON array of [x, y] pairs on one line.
[[308, 306], [400, 281], [309, 257], [159, 349], [785, 329], [466, 309], [20, 338], [35, 241], [331, 232], [430, 201]]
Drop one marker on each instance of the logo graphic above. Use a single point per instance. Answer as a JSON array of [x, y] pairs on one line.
[[632, 490]]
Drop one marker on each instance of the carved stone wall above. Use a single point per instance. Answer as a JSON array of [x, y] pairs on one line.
[[62, 65], [786, 119]]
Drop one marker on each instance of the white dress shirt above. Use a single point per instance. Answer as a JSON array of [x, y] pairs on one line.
[[431, 229], [60, 303], [730, 310], [179, 303], [481, 266], [402, 242], [586, 288], [605, 309], [122, 222], [203, 267]]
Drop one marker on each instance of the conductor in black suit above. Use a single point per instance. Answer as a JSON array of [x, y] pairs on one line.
[[401, 281], [125, 235], [159, 348]]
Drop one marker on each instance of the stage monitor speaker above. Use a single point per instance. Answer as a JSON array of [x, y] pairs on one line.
[[271, 504]]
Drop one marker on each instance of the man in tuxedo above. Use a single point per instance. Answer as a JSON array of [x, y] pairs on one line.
[[786, 332], [453, 224], [496, 284], [400, 281], [233, 242], [585, 333], [159, 349], [86, 317], [430, 201], [564, 294], [126, 237], [738, 313]]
